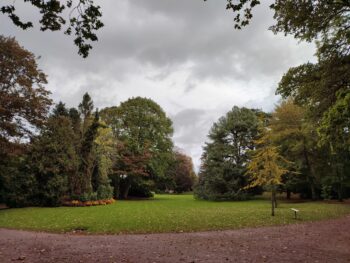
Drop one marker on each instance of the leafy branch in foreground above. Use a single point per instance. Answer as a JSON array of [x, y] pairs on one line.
[[84, 19]]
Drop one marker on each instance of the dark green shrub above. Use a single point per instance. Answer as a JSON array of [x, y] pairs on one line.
[[140, 188], [104, 192]]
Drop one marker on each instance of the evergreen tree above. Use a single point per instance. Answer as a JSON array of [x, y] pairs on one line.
[[54, 162], [222, 174], [86, 108], [60, 110], [87, 157]]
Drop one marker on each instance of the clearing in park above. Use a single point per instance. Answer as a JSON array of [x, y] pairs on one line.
[[166, 213]]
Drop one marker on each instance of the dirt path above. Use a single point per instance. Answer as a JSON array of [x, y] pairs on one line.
[[327, 241]]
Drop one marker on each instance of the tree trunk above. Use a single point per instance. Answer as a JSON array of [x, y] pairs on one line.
[[274, 197], [340, 194], [288, 194], [275, 200], [125, 189], [313, 191], [340, 190], [311, 175], [273, 203]]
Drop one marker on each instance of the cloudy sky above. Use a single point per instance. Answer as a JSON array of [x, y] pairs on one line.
[[183, 54]]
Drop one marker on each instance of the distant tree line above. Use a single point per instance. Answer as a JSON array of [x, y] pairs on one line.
[[284, 151], [51, 153]]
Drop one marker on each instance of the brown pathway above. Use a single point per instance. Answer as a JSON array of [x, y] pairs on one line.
[[326, 241]]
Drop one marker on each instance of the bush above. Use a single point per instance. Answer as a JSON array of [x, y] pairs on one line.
[[19, 185], [218, 189], [140, 188], [53, 191], [105, 192]]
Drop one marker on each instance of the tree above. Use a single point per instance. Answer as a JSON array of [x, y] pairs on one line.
[[297, 137], [84, 19], [18, 184], [181, 173], [334, 131], [60, 110], [86, 108], [74, 116], [104, 154], [222, 173], [54, 162], [24, 101], [143, 132], [266, 167], [87, 157]]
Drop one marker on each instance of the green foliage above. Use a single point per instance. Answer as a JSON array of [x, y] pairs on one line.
[[60, 110], [18, 184], [143, 132], [224, 160], [87, 156], [296, 135], [141, 188], [104, 191], [335, 126], [54, 161]]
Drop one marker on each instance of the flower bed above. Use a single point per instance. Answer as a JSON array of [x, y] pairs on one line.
[[88, 203]]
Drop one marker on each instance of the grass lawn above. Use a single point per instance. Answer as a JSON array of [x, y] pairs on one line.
[[165, 213]]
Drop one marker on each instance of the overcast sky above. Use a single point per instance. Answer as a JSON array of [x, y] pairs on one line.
[[183, 54]]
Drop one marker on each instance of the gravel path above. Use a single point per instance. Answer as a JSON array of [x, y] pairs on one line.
[[326, 241]]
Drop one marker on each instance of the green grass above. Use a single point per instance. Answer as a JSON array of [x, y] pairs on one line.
[[165, 213]]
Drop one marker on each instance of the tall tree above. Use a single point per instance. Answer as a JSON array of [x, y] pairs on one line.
[[144, 134], [105, 152], [297, 137], [87, 156], [181, 173], [24, 101], [225, 157], [335, 133], [74, 115], [54, 161], [86, 108], [60, 110]]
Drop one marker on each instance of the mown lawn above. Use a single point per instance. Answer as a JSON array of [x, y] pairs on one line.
[[165, 213]]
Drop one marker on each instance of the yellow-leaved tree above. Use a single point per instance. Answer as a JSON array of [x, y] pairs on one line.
[[267, 166]]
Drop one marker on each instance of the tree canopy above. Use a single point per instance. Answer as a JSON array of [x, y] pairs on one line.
[[226, 155], [143, 132], [24, 101]]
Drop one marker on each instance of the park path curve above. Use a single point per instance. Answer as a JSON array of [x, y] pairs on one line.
[[324, 241]]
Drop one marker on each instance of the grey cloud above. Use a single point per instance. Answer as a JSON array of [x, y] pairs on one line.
[[177, 52]]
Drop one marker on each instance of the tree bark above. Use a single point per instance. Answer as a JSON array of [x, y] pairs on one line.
[[126, 187], [275, 200], [273, 203], [288, 194], [311, 175]]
